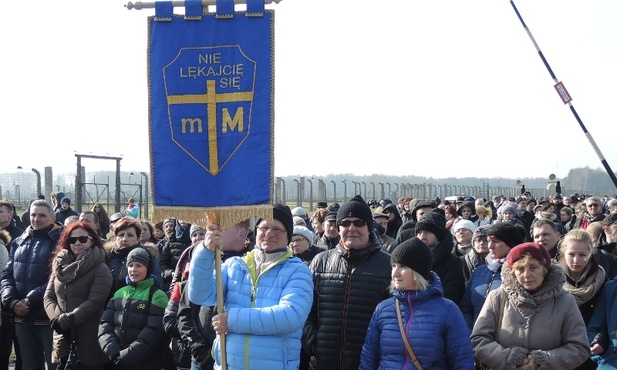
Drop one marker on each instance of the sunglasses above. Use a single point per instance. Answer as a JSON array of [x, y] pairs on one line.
[[82, 239], [356, 223]]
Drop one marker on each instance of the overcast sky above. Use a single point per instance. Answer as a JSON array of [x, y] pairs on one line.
[[430, 88]]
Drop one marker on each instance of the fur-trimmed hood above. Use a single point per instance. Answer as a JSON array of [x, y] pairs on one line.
[[111, 245], [5, 237], [551, 287]]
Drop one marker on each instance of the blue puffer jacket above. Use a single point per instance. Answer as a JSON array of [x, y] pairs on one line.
[[435, 329], [601, 326], [482, 281], [266, 312], [27, 272]]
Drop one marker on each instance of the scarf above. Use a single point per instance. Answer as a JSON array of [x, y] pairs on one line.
[[67, 267], [463, 249], [263, 260], [494, 264], [587, 286]]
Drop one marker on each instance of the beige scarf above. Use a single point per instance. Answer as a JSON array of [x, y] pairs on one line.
[[588, 287]]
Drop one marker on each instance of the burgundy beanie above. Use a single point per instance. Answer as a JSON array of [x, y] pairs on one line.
[[535, 250]]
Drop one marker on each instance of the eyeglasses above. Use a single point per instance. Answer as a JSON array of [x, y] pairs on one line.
[[82, 239], [593, 205], [274, 230], [356, 223], [298, 240]]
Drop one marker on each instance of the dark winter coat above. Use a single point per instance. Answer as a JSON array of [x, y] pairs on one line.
[[172, 250], [79, 287], [194, 322], [14, 231], [327, 243], [606, 256], [348, 285], [132, 326], [308, 255], [395, 224], [63, 214], [449, 268], [27, 272]]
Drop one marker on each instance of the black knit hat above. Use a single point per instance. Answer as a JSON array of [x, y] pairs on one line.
[[433, 222], [142, 256], [507, 233], [414, 254], [355, 207], [283, 214]]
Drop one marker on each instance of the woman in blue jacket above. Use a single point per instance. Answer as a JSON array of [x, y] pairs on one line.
[[433, 325]]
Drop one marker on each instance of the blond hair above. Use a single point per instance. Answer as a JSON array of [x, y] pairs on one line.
[[576, 235]]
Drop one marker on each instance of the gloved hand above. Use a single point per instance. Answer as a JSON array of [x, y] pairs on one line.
[[201, 354], [55, 324], [118, 363]]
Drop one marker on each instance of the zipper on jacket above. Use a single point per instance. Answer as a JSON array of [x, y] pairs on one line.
[[345, 304]]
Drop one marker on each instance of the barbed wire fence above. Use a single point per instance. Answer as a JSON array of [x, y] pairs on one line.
[[21, 186]]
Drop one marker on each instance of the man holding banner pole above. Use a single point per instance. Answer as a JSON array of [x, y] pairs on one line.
[[267, 296]]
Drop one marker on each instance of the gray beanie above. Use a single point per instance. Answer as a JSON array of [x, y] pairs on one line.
[[142, 256], [509, 208], [196, 228], [306, 233]]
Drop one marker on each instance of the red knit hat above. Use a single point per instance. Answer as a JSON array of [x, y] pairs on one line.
[[535, 250]]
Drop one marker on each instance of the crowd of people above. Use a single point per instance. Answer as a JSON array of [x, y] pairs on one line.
[[518, 283]]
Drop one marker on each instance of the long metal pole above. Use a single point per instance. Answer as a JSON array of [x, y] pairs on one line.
[[566, 98]]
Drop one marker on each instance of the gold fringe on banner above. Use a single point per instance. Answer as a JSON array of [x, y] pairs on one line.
[[222, 216]]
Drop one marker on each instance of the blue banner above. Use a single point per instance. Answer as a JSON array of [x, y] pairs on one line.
[[211, 89]]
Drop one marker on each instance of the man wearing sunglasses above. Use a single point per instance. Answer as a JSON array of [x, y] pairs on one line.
[[24, 281], [349, 281], [593, 213]]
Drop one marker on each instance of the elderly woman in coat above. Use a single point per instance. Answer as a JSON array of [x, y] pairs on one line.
[[78, 288], [434, 325], [530, 322]]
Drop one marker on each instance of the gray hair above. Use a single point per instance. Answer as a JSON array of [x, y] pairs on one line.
[[43, 203]]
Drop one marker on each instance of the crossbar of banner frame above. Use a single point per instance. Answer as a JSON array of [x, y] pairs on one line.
[[138, 5]]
